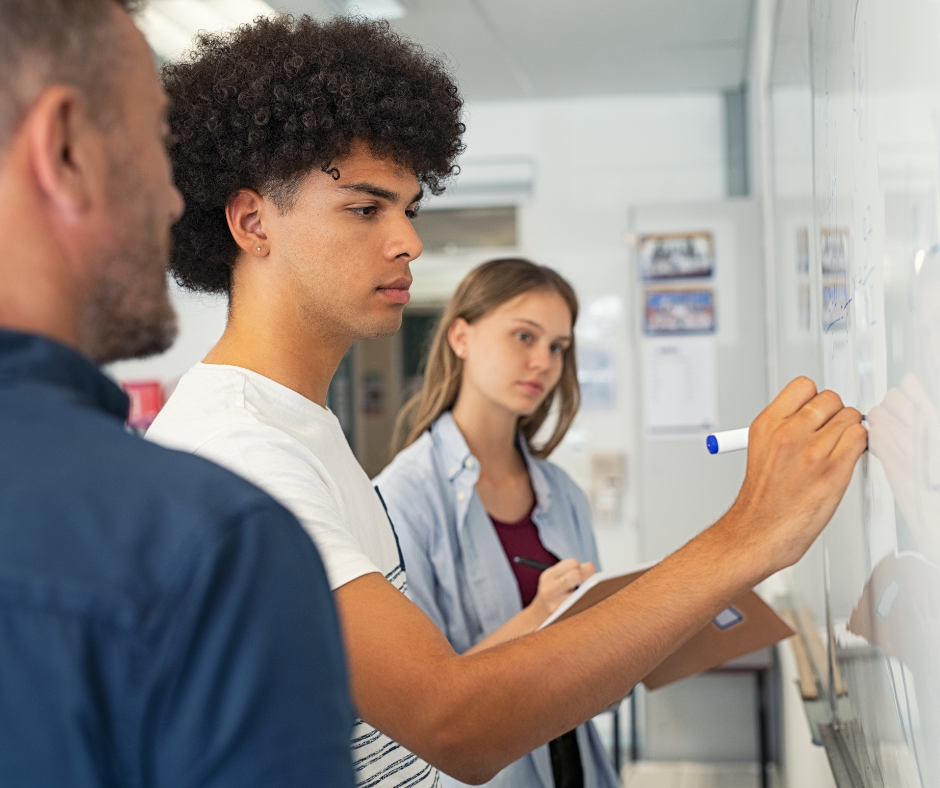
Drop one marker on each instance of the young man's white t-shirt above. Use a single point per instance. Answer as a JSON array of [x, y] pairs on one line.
[[296, 451]]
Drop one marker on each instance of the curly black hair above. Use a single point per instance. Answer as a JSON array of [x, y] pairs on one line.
[[261, 106]]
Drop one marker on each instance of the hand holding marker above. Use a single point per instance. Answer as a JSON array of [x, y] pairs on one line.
[[732, 440]]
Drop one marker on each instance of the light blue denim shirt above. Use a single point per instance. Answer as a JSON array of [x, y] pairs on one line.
[[458, 572]]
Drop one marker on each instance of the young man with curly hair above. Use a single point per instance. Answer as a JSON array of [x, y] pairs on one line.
[[162, 621], [303, 150]]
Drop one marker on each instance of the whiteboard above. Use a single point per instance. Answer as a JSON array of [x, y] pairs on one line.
[[855, 104]]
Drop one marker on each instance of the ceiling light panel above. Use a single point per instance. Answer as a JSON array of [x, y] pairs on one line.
[[373, 9], [171, 25]]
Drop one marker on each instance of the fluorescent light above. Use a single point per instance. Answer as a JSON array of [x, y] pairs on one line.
[[171, 25], [374, 9]]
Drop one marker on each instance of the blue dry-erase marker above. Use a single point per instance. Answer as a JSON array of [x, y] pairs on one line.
[[722, 442], [732, 440]]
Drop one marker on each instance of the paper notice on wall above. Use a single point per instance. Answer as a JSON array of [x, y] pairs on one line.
[[680, 385]]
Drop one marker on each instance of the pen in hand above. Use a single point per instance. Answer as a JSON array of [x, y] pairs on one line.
[[531, 563]]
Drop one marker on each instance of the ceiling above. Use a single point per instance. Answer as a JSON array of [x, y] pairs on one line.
[[513, 49]]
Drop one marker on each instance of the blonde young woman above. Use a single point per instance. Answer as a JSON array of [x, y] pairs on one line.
[[472, 492]]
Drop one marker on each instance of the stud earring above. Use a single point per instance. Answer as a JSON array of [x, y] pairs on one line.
[[259, 248]]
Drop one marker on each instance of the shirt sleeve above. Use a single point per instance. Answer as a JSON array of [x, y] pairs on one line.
[[251, 688], [294, 476]]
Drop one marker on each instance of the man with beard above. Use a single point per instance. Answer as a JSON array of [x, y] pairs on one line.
[[162, 622]]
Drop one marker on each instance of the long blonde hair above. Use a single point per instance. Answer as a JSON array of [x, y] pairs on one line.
[[481, 291]]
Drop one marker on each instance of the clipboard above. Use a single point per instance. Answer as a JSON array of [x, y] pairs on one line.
[[747, 625]]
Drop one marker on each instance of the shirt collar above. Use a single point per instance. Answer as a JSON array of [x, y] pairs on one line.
[[28, 357], [454, 449], [457, 458]]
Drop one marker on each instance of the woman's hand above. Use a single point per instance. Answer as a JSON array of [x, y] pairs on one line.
[[557, 582], [555, 585]]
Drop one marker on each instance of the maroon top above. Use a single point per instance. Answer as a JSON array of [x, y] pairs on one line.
[[522, 539]]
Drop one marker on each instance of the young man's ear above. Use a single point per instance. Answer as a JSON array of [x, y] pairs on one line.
[[457, 337], [65, 150], [245, 215]]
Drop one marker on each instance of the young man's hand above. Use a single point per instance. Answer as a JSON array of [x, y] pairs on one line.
[[802, 450]]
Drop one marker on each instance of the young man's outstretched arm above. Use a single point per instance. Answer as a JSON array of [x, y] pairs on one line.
[[472, 715]]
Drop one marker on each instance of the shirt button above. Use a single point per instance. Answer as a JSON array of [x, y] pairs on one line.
[[468, 463], [461, 496], [451, 471]]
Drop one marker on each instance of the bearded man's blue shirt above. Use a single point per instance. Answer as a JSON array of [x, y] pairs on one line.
[[162, 621]]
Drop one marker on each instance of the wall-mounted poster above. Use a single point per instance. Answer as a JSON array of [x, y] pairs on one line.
[[839, 354], [686, 255], [835, 250], [679, 311], [834, 259], [680, 385]]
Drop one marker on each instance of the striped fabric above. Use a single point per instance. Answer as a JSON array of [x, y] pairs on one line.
[[379, 762]]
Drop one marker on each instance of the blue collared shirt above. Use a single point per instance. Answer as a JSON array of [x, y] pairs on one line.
[[162, 622], [458, 572]]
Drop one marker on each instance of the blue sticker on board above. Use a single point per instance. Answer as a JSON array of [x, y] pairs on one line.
[[727, 618]]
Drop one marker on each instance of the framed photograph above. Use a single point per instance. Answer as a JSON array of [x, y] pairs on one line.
[[679, 312], [687, 255], [834, 260]]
